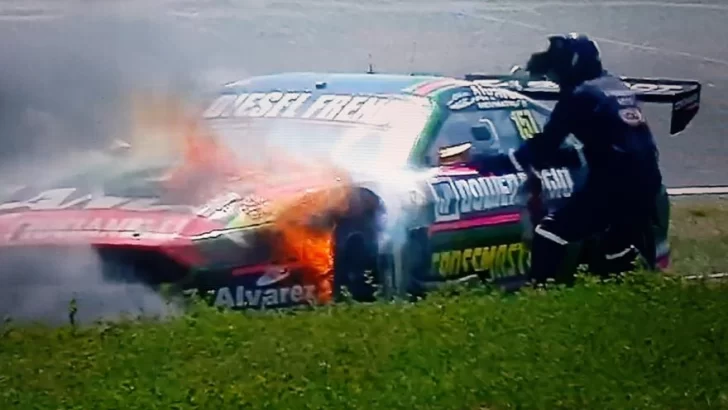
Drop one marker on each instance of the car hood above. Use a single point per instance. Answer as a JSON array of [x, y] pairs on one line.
[[214, 197]]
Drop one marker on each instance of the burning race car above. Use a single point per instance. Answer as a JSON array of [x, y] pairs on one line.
[[289, 188]]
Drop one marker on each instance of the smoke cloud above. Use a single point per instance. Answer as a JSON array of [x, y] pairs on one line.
[[65, 85], [57, 287]]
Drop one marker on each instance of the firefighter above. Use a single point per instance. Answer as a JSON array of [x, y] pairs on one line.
[[624, 179]]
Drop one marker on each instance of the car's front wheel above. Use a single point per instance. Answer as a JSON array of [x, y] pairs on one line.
[[356, 260]]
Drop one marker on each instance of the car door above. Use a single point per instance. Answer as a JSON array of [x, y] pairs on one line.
[[477, 228]]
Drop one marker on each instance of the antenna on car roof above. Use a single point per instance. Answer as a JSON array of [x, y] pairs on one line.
[[412, 56]]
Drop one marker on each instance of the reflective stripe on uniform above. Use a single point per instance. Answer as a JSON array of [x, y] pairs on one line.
[[551, 236], [617, 255]]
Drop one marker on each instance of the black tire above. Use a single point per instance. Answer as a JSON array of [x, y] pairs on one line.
[[356, 260]]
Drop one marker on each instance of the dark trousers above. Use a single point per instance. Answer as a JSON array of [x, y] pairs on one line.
[[622, 207]]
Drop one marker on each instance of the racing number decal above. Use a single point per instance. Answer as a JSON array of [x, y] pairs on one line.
[[525, 123]]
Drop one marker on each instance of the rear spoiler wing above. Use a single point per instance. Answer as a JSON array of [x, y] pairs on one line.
[[684, 95]]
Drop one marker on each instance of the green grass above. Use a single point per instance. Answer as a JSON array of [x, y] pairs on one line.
[[699, 236], [646, 343]]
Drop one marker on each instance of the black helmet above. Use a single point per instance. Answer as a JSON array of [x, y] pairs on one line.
[[568, 61]]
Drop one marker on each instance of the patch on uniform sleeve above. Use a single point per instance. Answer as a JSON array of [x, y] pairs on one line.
[[631, 116]]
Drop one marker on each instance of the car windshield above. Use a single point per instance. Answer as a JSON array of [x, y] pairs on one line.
[[350, 144]]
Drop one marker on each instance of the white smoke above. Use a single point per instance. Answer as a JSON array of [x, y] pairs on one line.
[[64, 88], [70, 288]]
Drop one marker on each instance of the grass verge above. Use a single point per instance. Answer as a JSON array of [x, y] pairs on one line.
[[699, 236], [646, 343]]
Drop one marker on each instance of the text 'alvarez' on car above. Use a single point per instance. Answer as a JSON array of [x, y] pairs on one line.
[[289, 187]]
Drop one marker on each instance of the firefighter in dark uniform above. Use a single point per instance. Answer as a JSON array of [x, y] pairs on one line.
[[624, 178]]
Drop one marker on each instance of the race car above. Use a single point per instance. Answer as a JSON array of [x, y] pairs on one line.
[[295, 188]]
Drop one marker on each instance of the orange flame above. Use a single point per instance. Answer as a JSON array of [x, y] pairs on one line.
[[305, 220], [307, 225]]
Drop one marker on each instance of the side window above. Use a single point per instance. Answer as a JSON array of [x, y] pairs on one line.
[[495, 130], [541, 115], [460, 127]]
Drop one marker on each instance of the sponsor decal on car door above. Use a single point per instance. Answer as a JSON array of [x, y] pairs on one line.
[[466, 195]]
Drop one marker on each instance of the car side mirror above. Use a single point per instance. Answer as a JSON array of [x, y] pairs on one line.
[[454, 154]]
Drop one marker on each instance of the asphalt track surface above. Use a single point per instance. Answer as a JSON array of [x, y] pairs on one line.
[[220, 40]]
